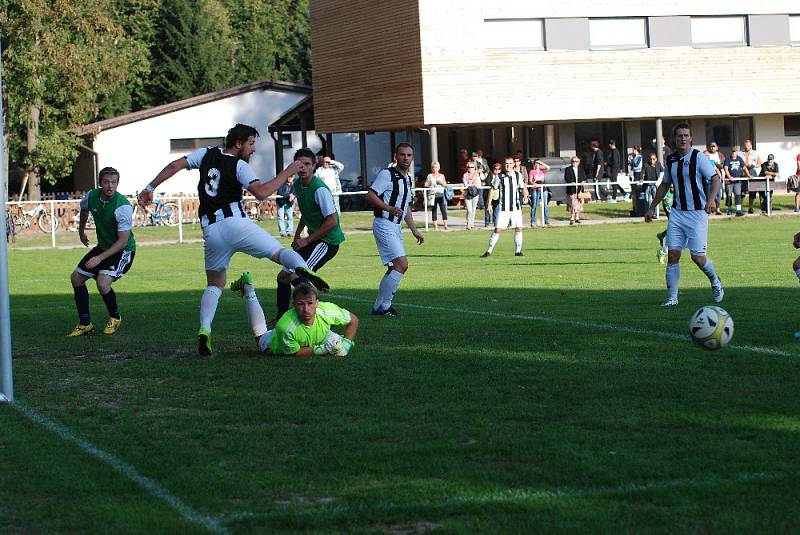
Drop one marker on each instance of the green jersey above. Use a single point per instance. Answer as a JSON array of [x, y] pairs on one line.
[[110, 217], [315, 202], [291, 334]]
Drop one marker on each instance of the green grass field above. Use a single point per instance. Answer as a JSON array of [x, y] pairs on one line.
[[547, 393]]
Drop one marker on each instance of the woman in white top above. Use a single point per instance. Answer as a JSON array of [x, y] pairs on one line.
[[473, 180], [436, 182]]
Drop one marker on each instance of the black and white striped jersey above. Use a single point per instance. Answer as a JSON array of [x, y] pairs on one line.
[[509, 186], [395, 189], [689, 175]]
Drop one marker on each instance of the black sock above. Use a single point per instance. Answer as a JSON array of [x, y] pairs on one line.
[[284, 297], [82, 303], [111, 303]]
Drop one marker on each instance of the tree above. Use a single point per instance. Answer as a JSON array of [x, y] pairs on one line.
[[61, 58], [272, 40], [193, 50]]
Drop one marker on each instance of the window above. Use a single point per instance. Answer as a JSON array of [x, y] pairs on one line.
[[606, 34], [286, 141], [718, 31], [791, 125], [504, 34], [189, 144], [794, 29]]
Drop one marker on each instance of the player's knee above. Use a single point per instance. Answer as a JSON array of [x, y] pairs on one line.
[[77, 279], [796, 264], [104, 284], [284, 277], [699, 260], [673, 257], [400, 265]]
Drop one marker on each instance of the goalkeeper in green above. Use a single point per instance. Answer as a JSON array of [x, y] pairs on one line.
[[305, 329]]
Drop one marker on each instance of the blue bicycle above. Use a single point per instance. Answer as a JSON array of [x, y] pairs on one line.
[[162, 213]]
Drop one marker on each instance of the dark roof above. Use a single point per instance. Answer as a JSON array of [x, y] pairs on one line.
[[96, 128], [291, 120]]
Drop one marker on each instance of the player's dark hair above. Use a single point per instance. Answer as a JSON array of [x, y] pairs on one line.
[[107, 171], [240, 132], [403, 145], [304, 152], [681, 126], [304, 290]]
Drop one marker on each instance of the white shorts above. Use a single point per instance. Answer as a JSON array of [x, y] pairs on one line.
[[236, 235], [389, 239], [688, 230], [509, 219]]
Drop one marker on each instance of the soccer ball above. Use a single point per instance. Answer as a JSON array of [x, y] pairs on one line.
[[711, 327]]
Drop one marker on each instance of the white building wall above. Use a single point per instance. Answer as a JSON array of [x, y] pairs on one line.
[[141, 149], [464, 83], [769, 139]]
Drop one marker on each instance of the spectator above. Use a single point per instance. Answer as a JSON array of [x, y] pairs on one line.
[[483, 169], [539, 193], [752, 162], [473, 181], [329, 174], [285, 205], [436, 182], [613, 167], [493, 195], [484, 162], [793, 184], [734, 169], [665, 149], [651, 173], [574, 174], [717, 158], [770, 170], [597, 167], [463, 158], [638, 189]]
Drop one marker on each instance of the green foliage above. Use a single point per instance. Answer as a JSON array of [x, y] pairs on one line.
[[193, 51], [63, 58]]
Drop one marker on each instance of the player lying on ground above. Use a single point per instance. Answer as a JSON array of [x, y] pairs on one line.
[[304, 330]]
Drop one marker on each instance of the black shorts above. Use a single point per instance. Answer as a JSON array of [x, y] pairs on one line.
[[114, 266], [317, 254]]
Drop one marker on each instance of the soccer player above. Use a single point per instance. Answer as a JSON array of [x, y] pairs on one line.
[[687, 170], [509, 184], [226, 227], [390, 196], [318, 213], [111, 258], [303, 331]]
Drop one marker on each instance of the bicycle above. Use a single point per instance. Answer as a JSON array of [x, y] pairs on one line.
[[39, 216], [164, 213]]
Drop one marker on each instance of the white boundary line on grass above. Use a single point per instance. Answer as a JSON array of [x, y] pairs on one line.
[[151, 486], [519, 496], [578, 323]]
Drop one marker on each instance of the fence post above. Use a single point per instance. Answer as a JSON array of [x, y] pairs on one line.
[[767, 196], [53, 222], [180, 219], [425, 205]]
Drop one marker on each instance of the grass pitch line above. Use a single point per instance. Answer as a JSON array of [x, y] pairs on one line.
[[515, 496], [152, 487], [579, 323]]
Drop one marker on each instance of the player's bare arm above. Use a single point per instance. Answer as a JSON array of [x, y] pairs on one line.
[[83, 218], [711, 203], [413, 227], [374, 200], [327, 225], [145, 196], [262, 190], [117, 246]]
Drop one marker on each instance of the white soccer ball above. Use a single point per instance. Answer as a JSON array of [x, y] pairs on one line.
[[711, 327]]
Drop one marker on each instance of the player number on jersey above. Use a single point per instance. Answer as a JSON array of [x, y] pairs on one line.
[[212, 182]]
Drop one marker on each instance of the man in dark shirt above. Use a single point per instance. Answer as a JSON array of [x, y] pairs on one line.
[[613, 167]]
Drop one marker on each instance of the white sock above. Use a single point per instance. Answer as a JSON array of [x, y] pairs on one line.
[[673, 275], [291, 260], [258, 322], [518, 242], [208, 306], [389, 284], [493, 241], [708, 269]]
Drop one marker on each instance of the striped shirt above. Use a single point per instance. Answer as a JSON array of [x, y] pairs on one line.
[[688, 175], [395, 189], [508, 186]]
